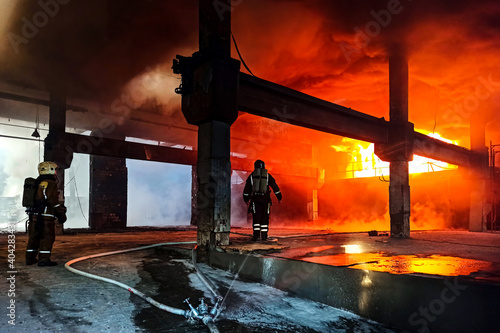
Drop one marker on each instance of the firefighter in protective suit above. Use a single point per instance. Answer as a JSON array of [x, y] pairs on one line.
[[41, 228], [257, 193]]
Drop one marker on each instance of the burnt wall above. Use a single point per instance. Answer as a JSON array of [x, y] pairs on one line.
[[108, 193]]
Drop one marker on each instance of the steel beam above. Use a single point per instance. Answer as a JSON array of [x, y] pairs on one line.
[[118, 148], [124, 149], [429, 147], [273, 101], [37, 101], [270, 100]]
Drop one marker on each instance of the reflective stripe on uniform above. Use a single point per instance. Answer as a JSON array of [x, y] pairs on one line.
[[263, 227], [44, 251], [48, 214], [251, 179], [30, 250], [256, 227], [45, 196], [57, 205], [277, 192], [245, 194]]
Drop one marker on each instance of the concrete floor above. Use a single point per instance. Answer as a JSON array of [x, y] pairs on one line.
[[54, 299], [439, 253]]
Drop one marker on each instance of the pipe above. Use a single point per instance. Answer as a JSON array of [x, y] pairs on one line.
[[164, 307]]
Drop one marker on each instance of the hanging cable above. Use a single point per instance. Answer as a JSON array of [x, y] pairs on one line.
[[79, 202], [74, 175], [239, 54], [382, 178]]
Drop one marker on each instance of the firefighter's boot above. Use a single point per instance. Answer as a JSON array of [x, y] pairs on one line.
[[31, 257]]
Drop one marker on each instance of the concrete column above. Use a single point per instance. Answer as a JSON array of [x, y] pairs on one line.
[[194, 196], [214, 175], [108, 193], [399, 186], [312, 199], [312, 205], [54, 145], [479, 206], [399, 199], [209, 99]]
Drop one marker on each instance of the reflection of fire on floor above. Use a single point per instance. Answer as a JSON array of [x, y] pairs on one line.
[[403, 264], [254, 247]]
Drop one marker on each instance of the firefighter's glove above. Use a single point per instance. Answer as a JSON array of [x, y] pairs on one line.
[[60, 213]]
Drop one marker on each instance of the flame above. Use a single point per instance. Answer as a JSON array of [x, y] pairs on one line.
[[364, 162], [351, 248]]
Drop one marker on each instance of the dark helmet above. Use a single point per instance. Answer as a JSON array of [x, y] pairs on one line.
[[259, 164]]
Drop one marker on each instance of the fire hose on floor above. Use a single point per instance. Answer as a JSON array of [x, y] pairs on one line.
[[202, 312]]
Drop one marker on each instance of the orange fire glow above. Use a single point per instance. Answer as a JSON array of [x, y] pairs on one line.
[[404, 264], [364, 162]]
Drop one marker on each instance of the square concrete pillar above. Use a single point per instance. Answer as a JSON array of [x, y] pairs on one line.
[[108, 193], [209, 90], [400, 146], [54, 146], [214, 184]]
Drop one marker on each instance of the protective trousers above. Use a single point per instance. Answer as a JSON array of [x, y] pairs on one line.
[[41, 239], [260, 214]]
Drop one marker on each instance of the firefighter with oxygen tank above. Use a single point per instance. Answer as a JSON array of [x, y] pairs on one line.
[[41, 197], [257, 193]]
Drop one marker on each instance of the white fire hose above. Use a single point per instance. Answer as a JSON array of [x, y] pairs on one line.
[[201, 312]]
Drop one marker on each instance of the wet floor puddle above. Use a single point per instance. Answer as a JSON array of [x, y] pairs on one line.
[[403, 264]]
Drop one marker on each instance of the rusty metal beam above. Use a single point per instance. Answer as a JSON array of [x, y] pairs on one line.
[[118, 148], [124, 149], [270, 100], [243, 164], [436, 149]]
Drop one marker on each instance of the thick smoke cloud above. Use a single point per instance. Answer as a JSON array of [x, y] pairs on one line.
[[338, 50], [335, 50]]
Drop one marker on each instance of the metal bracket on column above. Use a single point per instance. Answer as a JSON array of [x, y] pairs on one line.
[[400, 143], [207, 81], [58, 150]]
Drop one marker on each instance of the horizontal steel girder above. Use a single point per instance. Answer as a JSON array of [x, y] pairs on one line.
[[273, 101], [124, 149], [436, 149], [270, 100]]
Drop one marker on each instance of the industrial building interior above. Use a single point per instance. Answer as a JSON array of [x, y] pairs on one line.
[[376, 118]]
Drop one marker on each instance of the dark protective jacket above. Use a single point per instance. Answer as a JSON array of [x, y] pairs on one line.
[[265, 197], [48, 195]]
